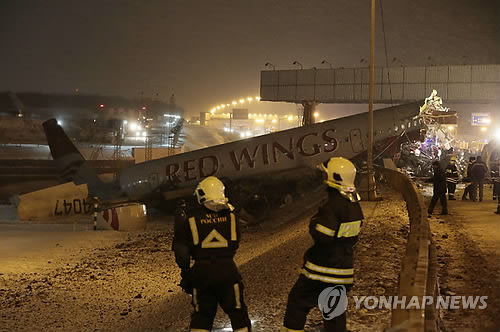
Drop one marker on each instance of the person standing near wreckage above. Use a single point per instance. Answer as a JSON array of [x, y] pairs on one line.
[[468, 179], [452, 177], [495, 174], [478, 171], [329, 262], [209, 233], [439, 181]]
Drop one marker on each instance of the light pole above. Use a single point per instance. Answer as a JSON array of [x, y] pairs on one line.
[[398, 60], [371, 178], [298, 64], [324, 61], [268, 64]]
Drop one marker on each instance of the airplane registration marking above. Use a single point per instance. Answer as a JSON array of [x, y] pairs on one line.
[[77, 205]]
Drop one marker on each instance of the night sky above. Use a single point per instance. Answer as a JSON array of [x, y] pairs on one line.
[[211, 51]]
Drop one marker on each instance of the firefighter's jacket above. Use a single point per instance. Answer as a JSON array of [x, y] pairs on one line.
[[495, 170], [334, 229], [210, 238], [451, 174]]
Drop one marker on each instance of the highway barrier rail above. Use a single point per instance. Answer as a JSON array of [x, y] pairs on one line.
[[418, 275]]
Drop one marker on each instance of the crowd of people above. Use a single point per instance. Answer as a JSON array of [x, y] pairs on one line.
[[445, 181]]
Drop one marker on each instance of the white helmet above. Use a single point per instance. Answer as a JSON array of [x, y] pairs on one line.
[[341, 175], [210, 192]]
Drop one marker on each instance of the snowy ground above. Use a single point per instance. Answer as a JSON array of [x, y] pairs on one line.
[[57, 278], [468, 249]]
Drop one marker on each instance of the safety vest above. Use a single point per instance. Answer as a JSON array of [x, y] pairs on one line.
[[213, 234]]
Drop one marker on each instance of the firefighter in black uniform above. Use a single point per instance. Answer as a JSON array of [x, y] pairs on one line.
[[209, 234], [451, 177], [495, 174], [329, 262]]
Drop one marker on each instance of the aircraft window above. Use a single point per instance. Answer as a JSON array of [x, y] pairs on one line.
[[402, 126], [409, 124], [415, 123]]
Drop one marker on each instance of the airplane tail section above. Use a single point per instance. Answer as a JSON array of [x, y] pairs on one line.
[[69, 160]]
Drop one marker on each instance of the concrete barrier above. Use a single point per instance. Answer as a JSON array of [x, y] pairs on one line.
[[418, 275]]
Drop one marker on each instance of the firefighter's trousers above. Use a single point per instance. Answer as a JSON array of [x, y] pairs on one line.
[[302, 298], [452, 187], [213, 284]]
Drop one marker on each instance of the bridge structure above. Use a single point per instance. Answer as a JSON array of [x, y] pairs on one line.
[[392, 85], [455, 84]]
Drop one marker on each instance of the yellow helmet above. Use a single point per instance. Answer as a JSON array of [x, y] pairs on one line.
[[210, 192], [341, 174]]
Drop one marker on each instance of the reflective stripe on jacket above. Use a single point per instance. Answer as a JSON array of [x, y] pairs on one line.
[[335, 230]]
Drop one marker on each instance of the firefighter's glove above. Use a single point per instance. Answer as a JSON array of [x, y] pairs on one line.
[[186, 281]]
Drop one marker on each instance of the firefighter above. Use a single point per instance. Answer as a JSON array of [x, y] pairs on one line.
[[209, 233], [495, 174], [439, 180], [329, 262], [452, 177]]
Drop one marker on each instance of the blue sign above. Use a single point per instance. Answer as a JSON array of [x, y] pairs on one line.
[[481, 119]]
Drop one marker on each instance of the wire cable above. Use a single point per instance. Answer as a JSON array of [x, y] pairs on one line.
[[385, 49]]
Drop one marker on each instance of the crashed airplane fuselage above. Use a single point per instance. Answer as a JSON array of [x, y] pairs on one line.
[[281, 154], [272, 153]]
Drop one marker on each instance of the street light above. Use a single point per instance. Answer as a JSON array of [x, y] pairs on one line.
[[324, 61], [268, 64], [398, 60], [298, 64], [316, 114]]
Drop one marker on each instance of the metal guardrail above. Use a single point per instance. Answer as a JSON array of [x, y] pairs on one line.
[[418, 275]]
